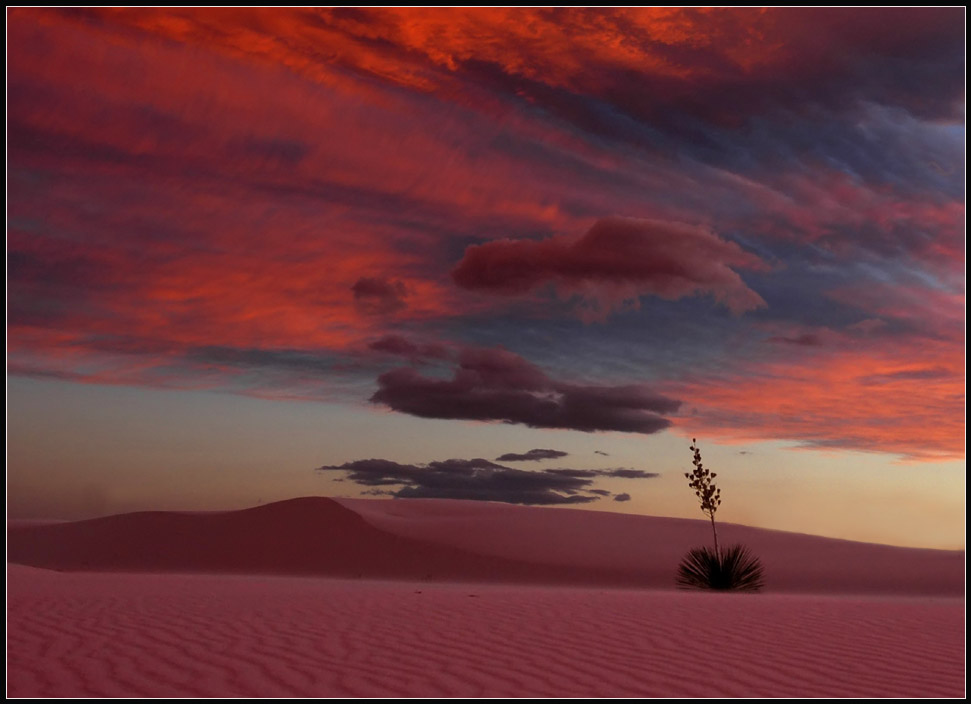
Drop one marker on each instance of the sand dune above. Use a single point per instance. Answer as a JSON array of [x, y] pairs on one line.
[[307, 536], [651, 547], [467, 540], [315, 598]]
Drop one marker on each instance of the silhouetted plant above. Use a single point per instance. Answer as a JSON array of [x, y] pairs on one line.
[[708, 494], [734, 568]]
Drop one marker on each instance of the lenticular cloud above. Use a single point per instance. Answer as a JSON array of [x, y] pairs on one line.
[[617, 260]]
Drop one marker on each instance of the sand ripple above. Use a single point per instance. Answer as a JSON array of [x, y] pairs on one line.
[[196, 635]]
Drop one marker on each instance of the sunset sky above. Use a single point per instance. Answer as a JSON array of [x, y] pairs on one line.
[[257, 254]]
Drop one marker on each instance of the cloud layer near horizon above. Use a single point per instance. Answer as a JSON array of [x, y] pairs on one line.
[[483, 480], [763, 208], [531, 456]]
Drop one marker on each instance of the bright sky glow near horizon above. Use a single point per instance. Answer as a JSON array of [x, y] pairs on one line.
[[255, 254]]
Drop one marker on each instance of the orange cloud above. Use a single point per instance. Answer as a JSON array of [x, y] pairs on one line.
[[884, 395]]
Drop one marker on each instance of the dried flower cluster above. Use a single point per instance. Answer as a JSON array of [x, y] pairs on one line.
[[700, 481]]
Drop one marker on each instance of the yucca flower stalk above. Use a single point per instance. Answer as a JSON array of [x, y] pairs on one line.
[[708, 494]]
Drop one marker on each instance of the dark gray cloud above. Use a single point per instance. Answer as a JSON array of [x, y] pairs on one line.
[[414, 352], [376, 295], [804, 340], [630, 473], [621, 473], [274, 150], [575, 473], [480, 479], [497, 385], [622, 497], [531, 456]]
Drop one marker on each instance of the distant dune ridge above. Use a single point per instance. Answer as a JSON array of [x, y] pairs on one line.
[[466, 540], [307, 536], [316, 597]]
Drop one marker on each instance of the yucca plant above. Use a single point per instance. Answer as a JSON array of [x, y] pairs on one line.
[[734, 568]]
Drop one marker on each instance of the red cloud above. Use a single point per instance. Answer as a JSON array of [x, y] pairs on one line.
[[713, 61], [617, 260]]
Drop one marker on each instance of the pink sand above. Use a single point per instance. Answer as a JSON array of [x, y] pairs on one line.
[[515, 602]]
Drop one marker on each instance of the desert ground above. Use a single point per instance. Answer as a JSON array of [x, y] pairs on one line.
[[318, 597]]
